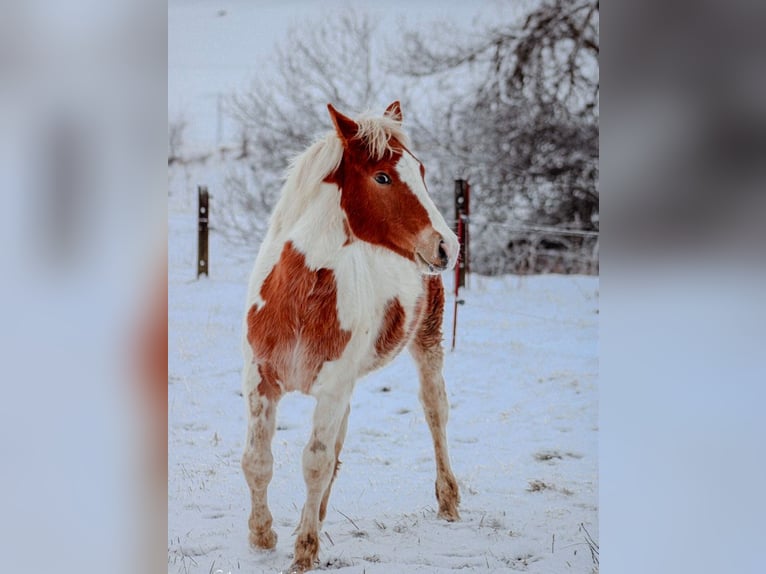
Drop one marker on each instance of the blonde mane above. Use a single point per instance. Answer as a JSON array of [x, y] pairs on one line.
[[308, 170]]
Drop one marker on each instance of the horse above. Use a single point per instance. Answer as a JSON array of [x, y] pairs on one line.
[[347, 275]]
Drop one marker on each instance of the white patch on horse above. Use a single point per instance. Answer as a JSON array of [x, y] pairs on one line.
[[408, 168]]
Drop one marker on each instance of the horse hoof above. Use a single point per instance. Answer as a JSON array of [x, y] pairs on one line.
[[448, 497], [449, 514], [264, 540], [298, 567]]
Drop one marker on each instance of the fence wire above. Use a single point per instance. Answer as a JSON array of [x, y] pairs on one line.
[[526, 228]]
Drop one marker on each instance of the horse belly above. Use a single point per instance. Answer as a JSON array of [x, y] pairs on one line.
[[309, 355]]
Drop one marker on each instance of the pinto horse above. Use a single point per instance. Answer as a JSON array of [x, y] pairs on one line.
[[347, 276]]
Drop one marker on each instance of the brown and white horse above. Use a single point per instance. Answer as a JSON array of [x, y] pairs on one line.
[[346, 277]]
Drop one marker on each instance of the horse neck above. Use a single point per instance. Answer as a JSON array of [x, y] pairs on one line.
[[313, 220]]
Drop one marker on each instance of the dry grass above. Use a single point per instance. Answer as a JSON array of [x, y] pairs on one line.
[[592, 546], [539, 486]]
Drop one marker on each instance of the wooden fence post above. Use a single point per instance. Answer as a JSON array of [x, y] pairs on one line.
[[462, 202], [202, 219]]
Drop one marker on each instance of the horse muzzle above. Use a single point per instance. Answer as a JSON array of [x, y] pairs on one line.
[[437, 253]]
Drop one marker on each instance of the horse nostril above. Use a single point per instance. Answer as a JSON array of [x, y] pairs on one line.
[[443, 254]]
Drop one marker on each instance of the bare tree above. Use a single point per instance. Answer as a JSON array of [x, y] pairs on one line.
[[317, 63], [521, 124], [513, 108]]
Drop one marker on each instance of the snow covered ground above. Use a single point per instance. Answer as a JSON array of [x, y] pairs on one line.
[[523, 434]]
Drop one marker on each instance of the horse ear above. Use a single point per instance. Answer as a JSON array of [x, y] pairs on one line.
[[394, 111], [345, 126]]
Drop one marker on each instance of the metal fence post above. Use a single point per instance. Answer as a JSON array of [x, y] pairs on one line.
[[202, 219], [462, 210]]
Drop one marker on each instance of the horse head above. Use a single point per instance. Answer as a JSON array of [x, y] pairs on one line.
[[384, 195]]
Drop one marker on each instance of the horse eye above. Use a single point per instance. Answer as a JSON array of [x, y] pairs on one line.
[[383, 178]]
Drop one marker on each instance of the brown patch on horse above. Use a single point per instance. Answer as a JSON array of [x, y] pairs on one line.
[[430, 332], [317, 445], [391, 333], [268, 387], [389, 215], [299, 312]]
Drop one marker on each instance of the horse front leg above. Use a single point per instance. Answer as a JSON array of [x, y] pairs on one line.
[[319, 464], [426, 350], [262, 394]]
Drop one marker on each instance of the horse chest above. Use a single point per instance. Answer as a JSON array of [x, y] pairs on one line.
[[381, 302], [296, 329], [360, 313]]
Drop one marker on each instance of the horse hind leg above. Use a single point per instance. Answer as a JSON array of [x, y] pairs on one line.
[[262, 394], [426, 350], [338, 447]]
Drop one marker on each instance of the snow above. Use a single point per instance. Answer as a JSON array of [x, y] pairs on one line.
[[523, 434]]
